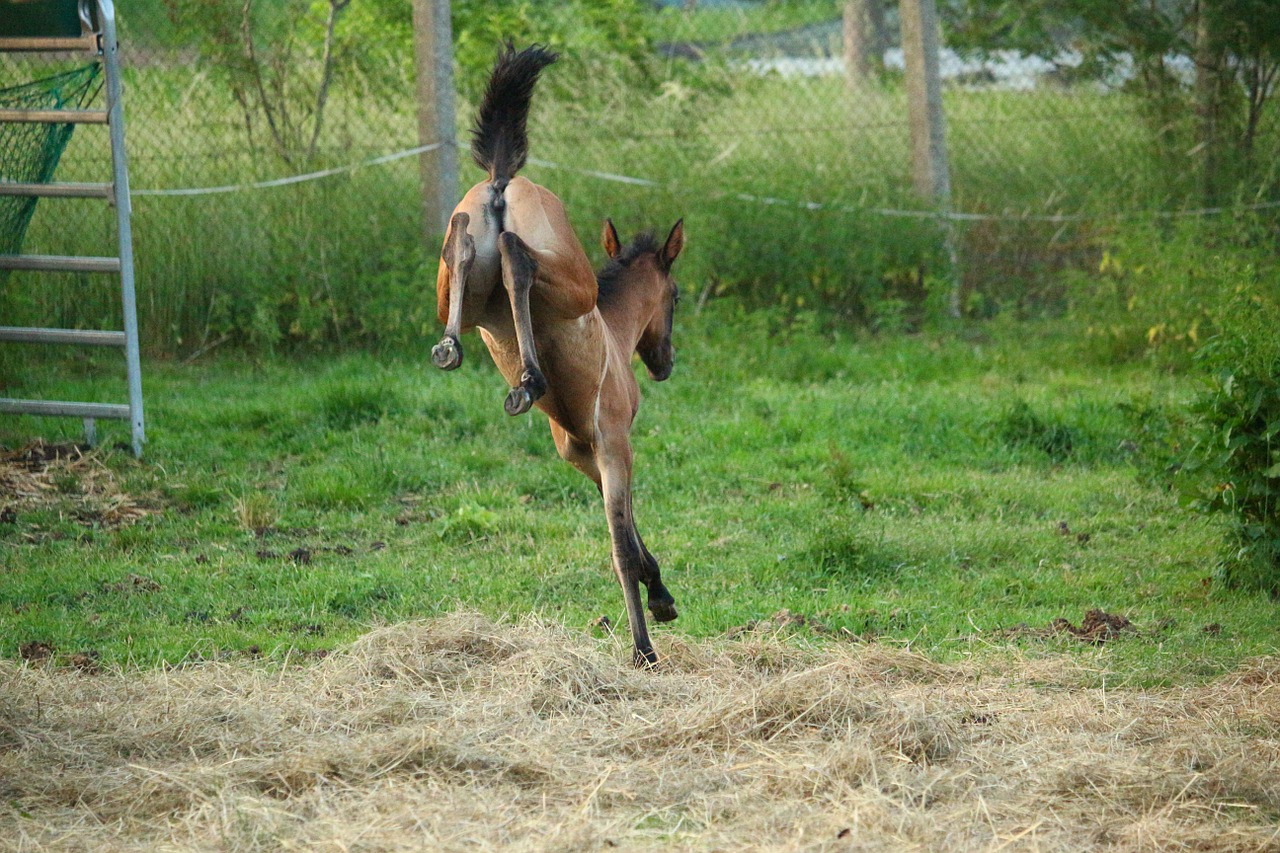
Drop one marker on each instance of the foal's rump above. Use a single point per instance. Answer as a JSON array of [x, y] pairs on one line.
[[565, 284]]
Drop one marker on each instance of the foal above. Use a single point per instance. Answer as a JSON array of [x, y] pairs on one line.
[[552, 314]]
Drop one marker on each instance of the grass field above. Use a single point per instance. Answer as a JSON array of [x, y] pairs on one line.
[[954, 493]]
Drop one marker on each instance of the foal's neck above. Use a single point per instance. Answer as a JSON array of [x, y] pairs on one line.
[[627, 310]]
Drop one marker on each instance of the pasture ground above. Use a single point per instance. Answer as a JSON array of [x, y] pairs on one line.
[[462, 734], [936, 593]]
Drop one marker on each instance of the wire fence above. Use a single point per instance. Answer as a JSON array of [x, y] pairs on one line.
[[795, 183]]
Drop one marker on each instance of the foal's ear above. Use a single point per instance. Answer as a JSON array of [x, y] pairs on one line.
[[609, 239], [675, 242]]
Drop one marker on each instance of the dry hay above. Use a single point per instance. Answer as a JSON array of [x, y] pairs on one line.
[[459, 734], [68, 478]]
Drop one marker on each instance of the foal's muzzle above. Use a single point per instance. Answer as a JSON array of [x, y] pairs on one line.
[[660, 362]]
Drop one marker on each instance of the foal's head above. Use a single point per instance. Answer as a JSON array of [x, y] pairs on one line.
[[643, 269]]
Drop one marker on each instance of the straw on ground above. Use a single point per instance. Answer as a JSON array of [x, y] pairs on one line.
[[462, 734]]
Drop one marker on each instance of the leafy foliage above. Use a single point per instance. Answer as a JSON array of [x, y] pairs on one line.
[[591, 35], [278, 59], [1234, 467]]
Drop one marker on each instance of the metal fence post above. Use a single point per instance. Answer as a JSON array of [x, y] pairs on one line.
[[433, 58], [930, 169]]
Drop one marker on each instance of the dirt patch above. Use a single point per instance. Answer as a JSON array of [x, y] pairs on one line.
[[1097, 627], [303, 555], [69, 477], [35, 651], [132, 583], [462, 734]]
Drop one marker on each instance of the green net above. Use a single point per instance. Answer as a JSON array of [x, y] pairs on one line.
[[29, 152]]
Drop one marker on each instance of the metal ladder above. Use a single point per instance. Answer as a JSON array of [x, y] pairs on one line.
[[97, 36]]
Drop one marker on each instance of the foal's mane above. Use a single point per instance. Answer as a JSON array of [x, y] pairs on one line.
[[609, 278]]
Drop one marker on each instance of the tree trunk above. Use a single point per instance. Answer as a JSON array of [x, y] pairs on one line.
[[1209, 93], [865, 41]]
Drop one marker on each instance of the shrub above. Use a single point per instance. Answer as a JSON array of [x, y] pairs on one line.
[[1234, 465]]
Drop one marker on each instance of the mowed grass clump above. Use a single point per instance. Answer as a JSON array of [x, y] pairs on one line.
[[959, 493], [461, 734]]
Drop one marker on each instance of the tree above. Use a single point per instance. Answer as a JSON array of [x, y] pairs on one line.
[[279, 63], [1234, 46], [1242, 45]]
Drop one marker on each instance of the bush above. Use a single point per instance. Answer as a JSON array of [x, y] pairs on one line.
[[1234, 466]]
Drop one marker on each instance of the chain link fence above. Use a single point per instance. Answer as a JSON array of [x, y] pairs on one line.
[[284, 205]]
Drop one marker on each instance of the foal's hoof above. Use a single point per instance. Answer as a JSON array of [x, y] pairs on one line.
[[447, 354], [644, 659], [663, 611], [530, 390], [518, 401]]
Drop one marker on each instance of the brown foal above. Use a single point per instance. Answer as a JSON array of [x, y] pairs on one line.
[[563, 338]]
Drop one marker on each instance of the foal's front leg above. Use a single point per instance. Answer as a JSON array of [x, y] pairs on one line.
[[459, 255], [632, 562], [518, 270], [628, 565], [660, 601]]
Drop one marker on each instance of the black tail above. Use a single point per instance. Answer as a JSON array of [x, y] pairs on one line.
[[500, 144]]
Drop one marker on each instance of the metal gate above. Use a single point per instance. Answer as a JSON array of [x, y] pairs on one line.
[[88, 26]]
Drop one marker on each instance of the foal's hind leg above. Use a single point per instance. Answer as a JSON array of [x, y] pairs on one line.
[[459, 254], [518, 271]]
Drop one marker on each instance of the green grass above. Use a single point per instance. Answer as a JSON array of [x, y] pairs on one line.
[[912, 489]]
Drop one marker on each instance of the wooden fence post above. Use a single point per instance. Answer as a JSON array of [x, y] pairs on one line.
[[433, 61], [930, 169]]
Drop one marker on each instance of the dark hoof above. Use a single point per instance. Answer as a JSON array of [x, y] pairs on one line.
[[530, 390], [518, 401], [645, 659], [447, 354], [663, 611]]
